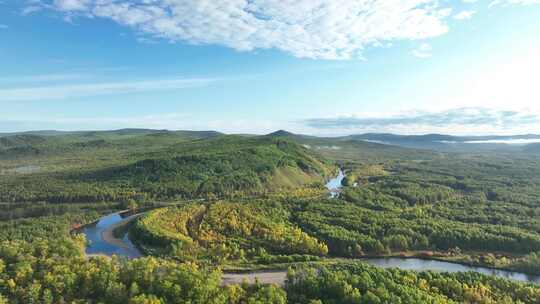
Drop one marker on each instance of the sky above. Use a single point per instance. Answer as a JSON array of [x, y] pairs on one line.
[[321, 67]]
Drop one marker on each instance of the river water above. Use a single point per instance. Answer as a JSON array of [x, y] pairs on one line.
[[334, 184], [425, 265], [124, 247], [98, 245]]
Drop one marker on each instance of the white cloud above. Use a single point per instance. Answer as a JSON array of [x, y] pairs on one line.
[[472, 120], [95, 89], [33, 6], [72, 5], [423, 51], [327, 29], [464, 15]]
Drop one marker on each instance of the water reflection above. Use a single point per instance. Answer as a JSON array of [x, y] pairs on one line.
[[425, 265]]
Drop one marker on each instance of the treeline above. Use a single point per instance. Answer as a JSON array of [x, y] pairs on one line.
[[45, 227], [15, 211], [360, 283]]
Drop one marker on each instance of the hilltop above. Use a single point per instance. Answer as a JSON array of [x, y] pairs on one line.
[[188, 168], [223, 166]]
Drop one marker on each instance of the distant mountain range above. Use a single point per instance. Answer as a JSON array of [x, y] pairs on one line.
[[440, 137], [440, 142], [449, 142], [119, 132]]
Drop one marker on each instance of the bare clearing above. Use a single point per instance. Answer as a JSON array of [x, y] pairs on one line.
[[265, 277]]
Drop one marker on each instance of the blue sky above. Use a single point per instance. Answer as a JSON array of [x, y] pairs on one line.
[[311, 66]]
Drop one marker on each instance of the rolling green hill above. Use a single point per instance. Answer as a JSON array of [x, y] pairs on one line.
[[223, 166], [164, 166], [45, 144]]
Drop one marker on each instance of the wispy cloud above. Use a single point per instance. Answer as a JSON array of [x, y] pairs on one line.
[[72, 5], [33, 6], [42, 78], [95, 89], [3, 26], [323, 29], [464, 15], [423, 51], [319, 29], [464, 117], [513, 2]]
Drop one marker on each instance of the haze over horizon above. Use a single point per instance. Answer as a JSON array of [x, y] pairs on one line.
[[312, 67]]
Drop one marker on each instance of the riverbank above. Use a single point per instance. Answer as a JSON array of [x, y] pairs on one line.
[[110, 234]]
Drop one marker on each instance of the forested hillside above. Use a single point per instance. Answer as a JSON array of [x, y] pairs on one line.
[[257, 231], [181, 168]]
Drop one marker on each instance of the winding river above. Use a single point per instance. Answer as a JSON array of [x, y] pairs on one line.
[[102, 242]]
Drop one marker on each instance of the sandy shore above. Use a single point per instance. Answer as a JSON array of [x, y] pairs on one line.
[[108, 233]]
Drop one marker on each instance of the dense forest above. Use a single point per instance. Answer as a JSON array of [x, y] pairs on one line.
[[470, 209], [221, 203]]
